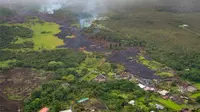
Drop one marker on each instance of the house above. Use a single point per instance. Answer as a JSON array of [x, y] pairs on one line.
[[149, 89], [183, 26], [66, 110], [160, 107], [163, 92], [166, 97], [45, 109], [132, 102], [191, 89], [124, 75], [141, 86], [100, 78]]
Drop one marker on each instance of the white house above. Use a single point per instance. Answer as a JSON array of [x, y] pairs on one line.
[[141, 86], [66, 110], [132, 102], [163, 92]]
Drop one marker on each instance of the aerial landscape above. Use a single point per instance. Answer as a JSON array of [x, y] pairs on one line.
[[100, 56]]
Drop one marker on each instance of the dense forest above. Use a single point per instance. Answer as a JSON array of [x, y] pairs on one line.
[[186, 63], [48, 60], [59, 97], [9, 35]]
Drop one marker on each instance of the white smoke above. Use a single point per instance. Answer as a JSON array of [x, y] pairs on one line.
[[51, 6]]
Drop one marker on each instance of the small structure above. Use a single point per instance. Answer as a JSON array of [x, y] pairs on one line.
[[160, 107], [45, 109], [83, 100], [183, 26], [66, 110], [141, 86], [132, 102], [149, 89], [191, 89], [124, 75], [100, 78], [163, 92]]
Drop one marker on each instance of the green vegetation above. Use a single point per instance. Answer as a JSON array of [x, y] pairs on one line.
[[48, 60], [161, 70], [195, 95], [34, 34], [71, 36], [46, 40], [165, 41], [8, 64], [170, 104], [10, 33], [52, 92]]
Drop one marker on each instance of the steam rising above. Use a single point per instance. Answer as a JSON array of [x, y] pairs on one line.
[[95, 7]]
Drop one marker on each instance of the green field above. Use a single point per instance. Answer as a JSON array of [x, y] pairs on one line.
[[46, 41], [195, 95], [170, 104], [44, 35]]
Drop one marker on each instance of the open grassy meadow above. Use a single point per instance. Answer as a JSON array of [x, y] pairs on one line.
[[43, 35], [46, 40]]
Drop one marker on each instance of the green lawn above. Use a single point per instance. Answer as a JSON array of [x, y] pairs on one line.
[[169, 104], [156, 66], [197, 85], [6, 64], [195, 95], [150, 63], [48, 40]]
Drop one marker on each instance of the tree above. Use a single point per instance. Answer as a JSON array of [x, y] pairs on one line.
[[53, 65], [198, 99], [69, 78]]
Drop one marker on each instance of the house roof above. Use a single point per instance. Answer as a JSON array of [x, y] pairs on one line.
[[163, 92], [141, 85], [132, 102], [45, 109], [66, 110], [191, 89]]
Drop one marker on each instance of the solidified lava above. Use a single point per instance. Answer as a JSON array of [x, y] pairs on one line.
[[132, 66]]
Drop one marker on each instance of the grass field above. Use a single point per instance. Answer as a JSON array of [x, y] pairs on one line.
[[156, 66], [169, 104], [48, 40], [44, 35], [195, 95], [197, 85], [6, 64]]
